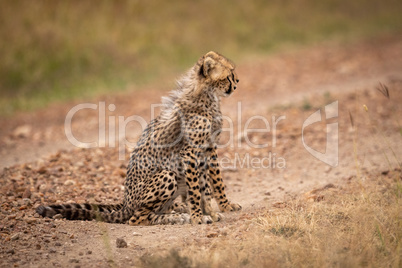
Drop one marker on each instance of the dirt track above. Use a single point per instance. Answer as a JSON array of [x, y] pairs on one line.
[[293, 85]]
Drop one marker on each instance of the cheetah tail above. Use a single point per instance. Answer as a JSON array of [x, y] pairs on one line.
[[99, 212]]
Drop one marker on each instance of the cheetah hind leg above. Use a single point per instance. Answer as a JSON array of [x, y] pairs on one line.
[[181, 207], [209, 216], [156, 202]]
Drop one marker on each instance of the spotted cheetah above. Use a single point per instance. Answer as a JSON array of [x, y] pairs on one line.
[[175, 156]]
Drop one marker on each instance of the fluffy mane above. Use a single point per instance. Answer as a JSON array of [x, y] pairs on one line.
[[185, 87]]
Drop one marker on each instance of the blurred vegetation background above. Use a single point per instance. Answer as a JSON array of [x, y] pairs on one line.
[[58, 50]]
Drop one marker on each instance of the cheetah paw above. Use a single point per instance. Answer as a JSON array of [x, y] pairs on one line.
[[235, 207], [185, 218], [181, 219], [231, 207], [217, 217], [207, 219], [182, 208], [201, 219]]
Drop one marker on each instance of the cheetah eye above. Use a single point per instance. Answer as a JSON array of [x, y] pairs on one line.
[[233, 78]]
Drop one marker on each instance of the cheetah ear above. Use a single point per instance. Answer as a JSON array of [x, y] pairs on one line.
[[210, 68]]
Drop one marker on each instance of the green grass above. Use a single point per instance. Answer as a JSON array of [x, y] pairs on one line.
[[58, 50]]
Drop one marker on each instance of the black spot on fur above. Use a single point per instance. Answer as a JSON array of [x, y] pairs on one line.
[[170, 187]]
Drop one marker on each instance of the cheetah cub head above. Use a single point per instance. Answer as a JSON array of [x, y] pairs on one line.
[[216, 73]]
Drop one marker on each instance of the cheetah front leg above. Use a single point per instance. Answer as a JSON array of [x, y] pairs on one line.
[[195, 156], [218, 185], [194, 176], [206, 193]]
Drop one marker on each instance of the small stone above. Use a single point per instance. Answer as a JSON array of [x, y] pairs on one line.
[[136, 234], [120, 243], [27, 193], [57, 216], [38, 246], [211, 235], [30, 220], [279, 204], [52, 250], [73, 260], [329, 185], [27, 201], [15, 237], [42, 188], [57, 244], [11, 217], [101, 169], [89, 252], [42, 170], [69, 182], [10, 251], [22, 131]]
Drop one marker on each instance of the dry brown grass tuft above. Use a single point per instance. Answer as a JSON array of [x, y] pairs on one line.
[[350, 227]]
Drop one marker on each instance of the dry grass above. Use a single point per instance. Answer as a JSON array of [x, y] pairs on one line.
[[350, 227]]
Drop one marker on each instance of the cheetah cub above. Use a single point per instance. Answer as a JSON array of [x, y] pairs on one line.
[[175, 156]]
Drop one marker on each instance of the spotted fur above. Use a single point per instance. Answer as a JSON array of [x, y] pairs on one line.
[[175, 156]]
